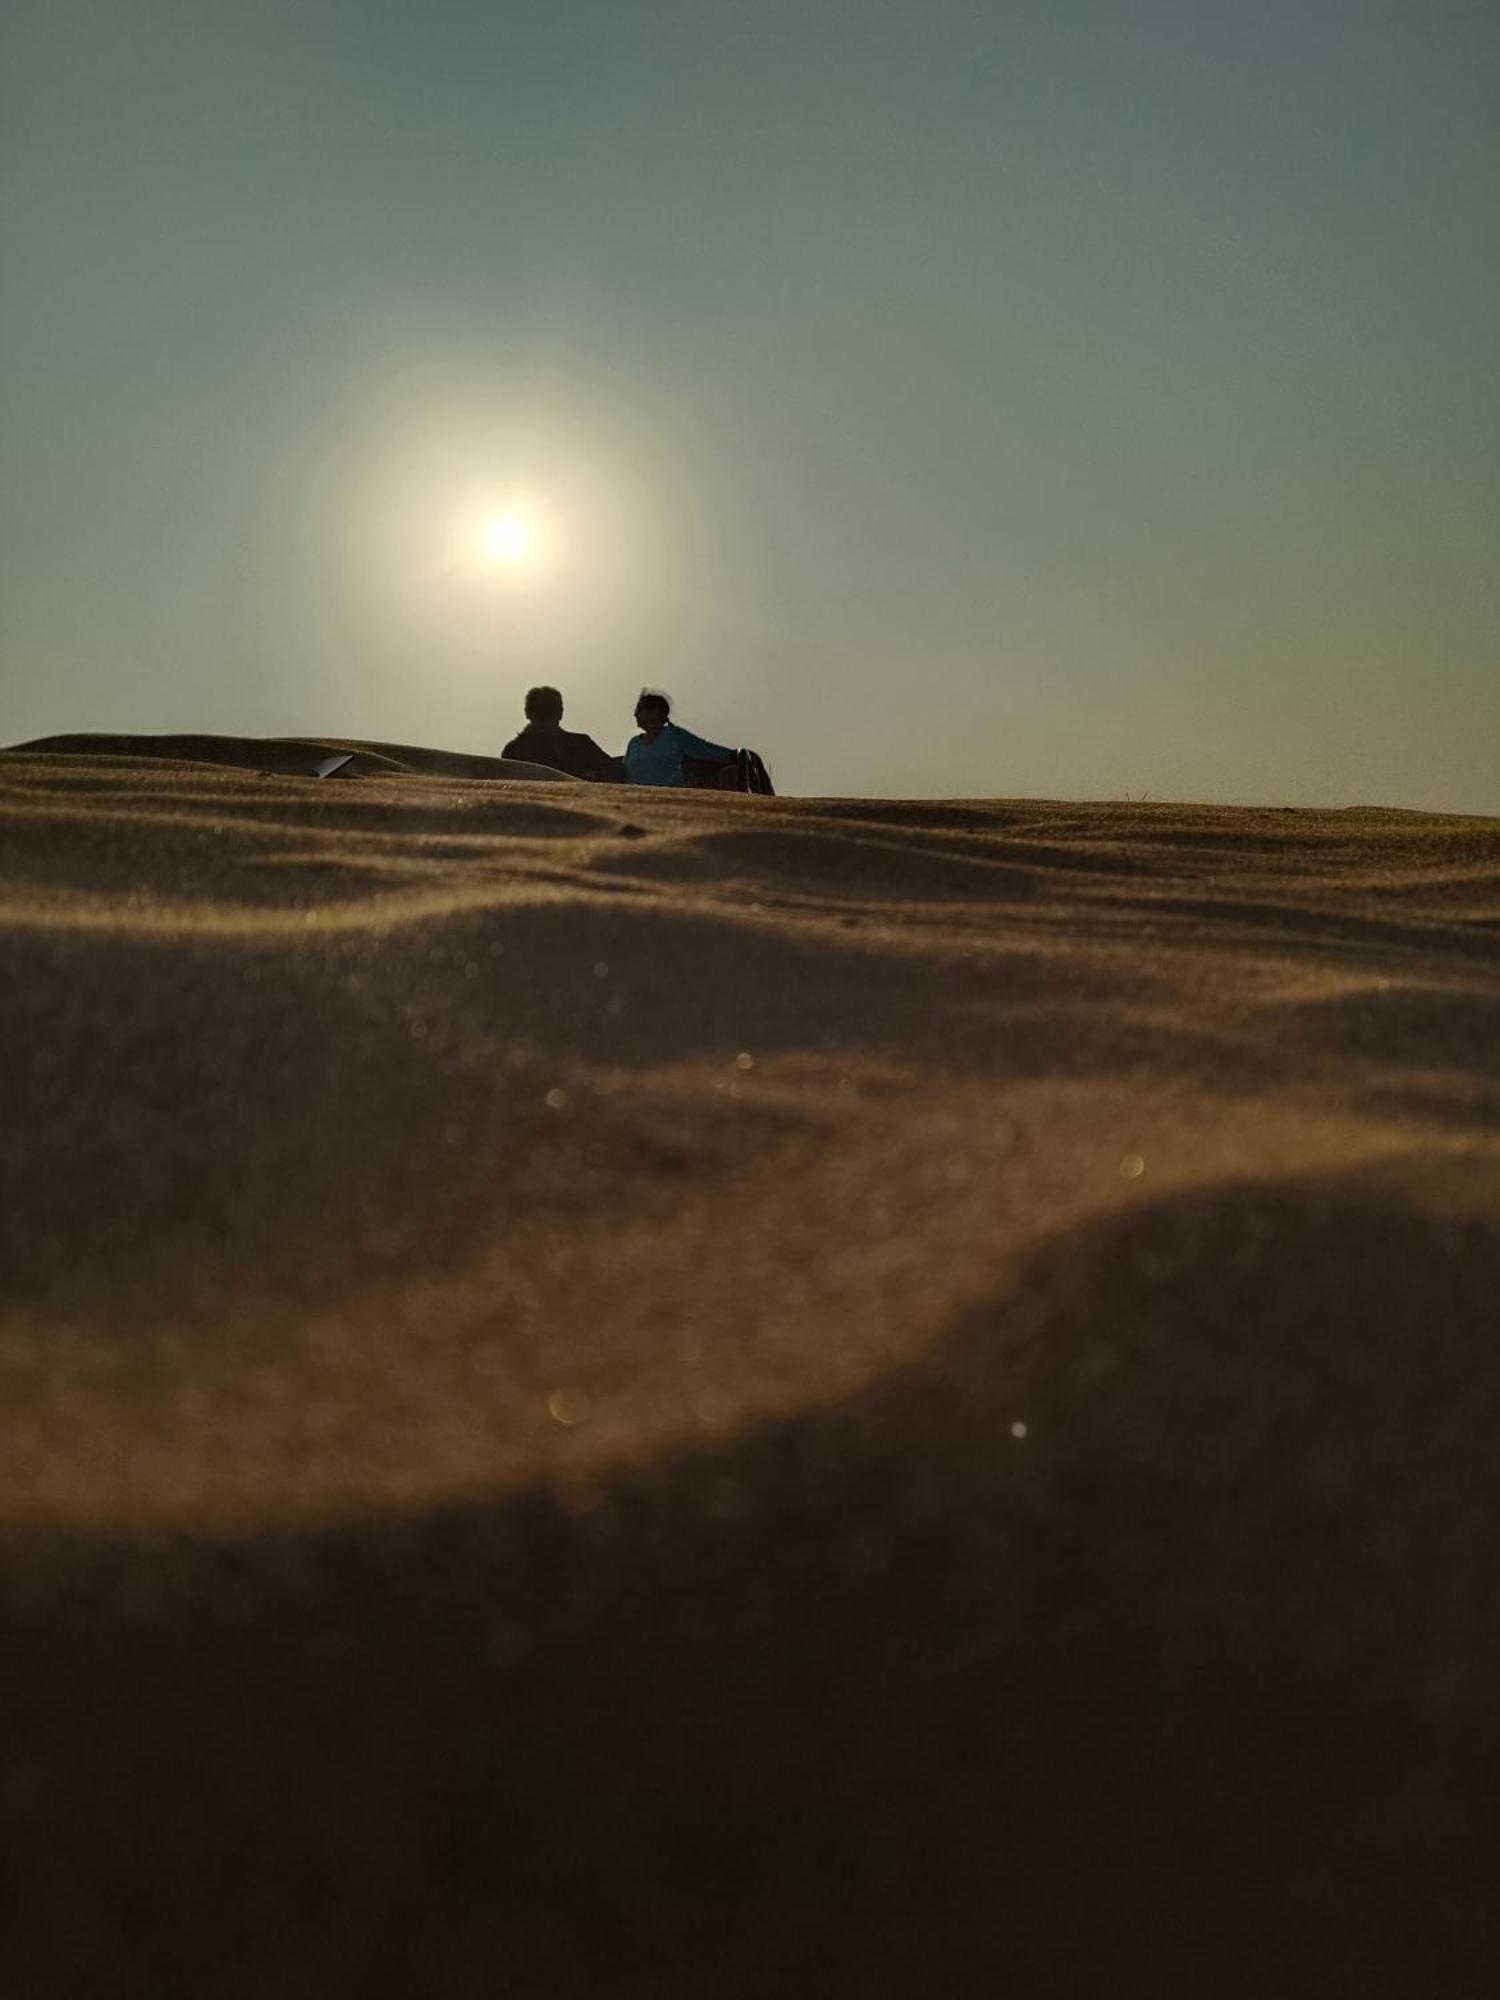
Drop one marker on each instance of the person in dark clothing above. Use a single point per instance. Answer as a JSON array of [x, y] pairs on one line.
[[545, 741]]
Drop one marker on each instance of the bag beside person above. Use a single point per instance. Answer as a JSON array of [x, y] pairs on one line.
[[744, 772]]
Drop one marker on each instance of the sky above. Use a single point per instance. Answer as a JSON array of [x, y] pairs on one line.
[[1019, 398]]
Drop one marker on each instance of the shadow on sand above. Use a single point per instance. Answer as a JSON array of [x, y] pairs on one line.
[[1188, 1687]]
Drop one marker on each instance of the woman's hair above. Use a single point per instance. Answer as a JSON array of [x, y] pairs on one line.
[[654, 698]]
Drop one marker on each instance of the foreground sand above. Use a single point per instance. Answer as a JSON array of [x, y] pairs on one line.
[[627, 1393]]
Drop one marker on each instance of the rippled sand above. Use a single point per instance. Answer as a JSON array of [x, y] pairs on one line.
[[614, 1392]]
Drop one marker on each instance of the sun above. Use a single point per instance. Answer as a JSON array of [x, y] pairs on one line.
[[507, 537]]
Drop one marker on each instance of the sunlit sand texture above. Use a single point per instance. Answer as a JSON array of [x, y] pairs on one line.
[[617, 1392]]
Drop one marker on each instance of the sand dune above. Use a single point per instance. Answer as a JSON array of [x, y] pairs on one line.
[[290, 756], [643, 1393]]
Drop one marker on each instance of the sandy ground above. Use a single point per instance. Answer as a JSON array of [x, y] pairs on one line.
[[614, 1392]]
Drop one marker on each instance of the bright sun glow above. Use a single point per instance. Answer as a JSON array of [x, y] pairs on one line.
[[508, 538]]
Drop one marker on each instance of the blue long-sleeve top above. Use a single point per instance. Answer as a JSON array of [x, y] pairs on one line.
[[660, 763]]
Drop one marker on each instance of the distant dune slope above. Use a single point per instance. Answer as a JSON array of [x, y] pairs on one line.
[[661, 1394], [291, 756]]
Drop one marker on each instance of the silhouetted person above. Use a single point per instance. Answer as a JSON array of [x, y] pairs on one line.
[[655, 756], [545, 741]]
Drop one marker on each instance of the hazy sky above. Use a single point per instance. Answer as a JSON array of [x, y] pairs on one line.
[[1021, 397]]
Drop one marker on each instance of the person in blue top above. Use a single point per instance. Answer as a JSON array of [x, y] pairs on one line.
[[655, 756]]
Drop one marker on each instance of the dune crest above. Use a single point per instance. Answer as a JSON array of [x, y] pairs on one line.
[[287, 756]]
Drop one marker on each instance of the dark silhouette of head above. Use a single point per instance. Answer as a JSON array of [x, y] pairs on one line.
[[652, 710], [544, 705]]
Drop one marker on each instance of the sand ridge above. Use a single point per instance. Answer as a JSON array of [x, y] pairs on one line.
[[709, 1382]]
